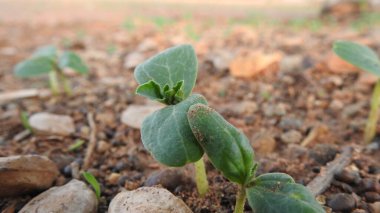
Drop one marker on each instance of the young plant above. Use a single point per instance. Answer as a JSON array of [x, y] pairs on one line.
[[45, 60], [93, 182], [187, 127], [169, 78], [230, 152], [367, 60]]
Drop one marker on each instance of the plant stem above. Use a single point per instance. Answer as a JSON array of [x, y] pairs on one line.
[[370, 130], [53, 81], [66, 85], [200, 177], [240, 200]]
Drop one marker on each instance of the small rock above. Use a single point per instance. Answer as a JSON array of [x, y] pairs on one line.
[[134, 115], [291, 63], [374, 169], [288, 123], [349, 176], [295, 151], [25, 174], [336, 105], [113, 178], [369, 185], [241, 108], [220, 59], [372, 197], [147, 200], [274, 110], [374, 207], [264, 143], [292, 136], [168, 178], [51, 124], [341, 202], [75, 196], [323, 153], [103, 146], [133, 59]]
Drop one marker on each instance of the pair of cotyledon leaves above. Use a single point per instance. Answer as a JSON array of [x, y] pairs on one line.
[[45, 60], [182, 131]]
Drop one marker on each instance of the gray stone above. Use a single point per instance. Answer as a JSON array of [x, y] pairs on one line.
[[292, 136], [147, 200], [52, 124], [24, 174], [341, 202], [74, 197], [134, 115]]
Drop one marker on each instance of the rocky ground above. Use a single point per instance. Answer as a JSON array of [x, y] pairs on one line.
[[279, 82]]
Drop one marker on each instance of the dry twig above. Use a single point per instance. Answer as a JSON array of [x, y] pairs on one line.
[[92, 142], [320, 183], [26, 93]]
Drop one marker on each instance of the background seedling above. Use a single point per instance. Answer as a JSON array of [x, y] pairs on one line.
[[76, 145], [45, 60], [169, 78], [93, 182], [24, 117], [367, 60]]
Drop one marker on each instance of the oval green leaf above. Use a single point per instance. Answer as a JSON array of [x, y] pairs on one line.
[[73, 61], [166, 134], [227, 148], [49, 51], [170, 67], [358, 55], [278, 193], [34, 67]]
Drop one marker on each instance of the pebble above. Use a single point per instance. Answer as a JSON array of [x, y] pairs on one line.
[[168, 178], [374, 207], [149, 200], [372, 197], [323, 153], [133, 59], [336, 105], [274, 110], [341, 202], [113, 178], [52, 124], [288, 123], [264, 143], [292, 136], [291, 63], [74, 197], [220, 59], [374, 169], [349, 176], [369, 185], [295, 151], [134, 115], [103, 146], [24, 174]]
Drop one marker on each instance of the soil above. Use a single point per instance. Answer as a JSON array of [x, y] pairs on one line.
[[312, 95]]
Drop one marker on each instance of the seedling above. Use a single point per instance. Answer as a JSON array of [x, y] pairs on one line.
[[45, 60], [187, 127], [76, 145], [367, 60], [24, 117], [169, 78], [93, 182]]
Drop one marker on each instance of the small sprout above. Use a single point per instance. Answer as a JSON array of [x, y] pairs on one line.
[[93, 182], [76, 145], [25, 121], [46, 60], [367, 60]]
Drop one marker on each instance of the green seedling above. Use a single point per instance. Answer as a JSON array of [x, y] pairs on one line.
[[24, 117], [367, 60], [76, 145], [93, 182], [187, 128], [46, 60]]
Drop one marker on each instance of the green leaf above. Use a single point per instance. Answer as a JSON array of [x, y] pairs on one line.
[[46, 51], [93, 182], [78, 144], [150, 90], [278, 193], [73, 61], [166, 134], [25, 121], [34, 67], [227, 148], [170, 67], [358, 55]]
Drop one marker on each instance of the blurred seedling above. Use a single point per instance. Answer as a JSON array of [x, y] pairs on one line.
[[366, 59], [187, 128], [24, 117], [93, 182], [47, 61], [161, 22], [76, 145]]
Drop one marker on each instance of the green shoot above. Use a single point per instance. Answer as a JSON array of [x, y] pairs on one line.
[[25, 121], [76, 145], [93, 182]]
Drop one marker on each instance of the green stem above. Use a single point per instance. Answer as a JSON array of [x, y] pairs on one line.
[[53, 81], [66, 85], [240, 200], [200, 177], [370, 130]]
